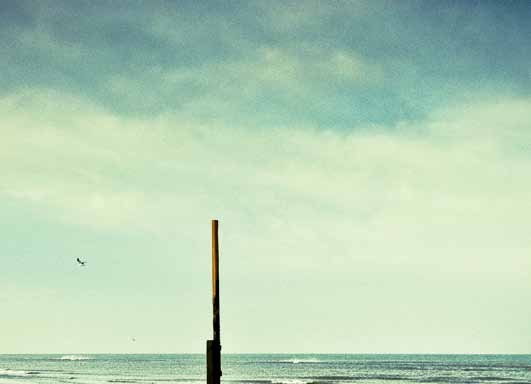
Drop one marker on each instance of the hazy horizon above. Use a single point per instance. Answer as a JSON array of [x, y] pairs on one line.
[[369, 163]]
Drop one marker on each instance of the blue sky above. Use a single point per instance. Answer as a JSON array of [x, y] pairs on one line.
[[369, 163]]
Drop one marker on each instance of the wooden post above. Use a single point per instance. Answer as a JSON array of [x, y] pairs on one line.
[[214, 346], [215, 279]]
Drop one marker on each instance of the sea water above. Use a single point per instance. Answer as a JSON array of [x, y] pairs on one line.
[[267, 369]]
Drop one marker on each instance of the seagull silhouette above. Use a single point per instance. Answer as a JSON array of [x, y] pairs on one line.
[[82, 263]]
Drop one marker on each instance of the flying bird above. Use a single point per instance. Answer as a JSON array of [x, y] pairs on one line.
[[82, 263]]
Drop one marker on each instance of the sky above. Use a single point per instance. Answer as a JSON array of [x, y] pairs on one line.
[[369, 163]]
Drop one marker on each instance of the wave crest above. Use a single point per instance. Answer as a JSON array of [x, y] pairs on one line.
[[12, 373], [301, 361], [74, 358]]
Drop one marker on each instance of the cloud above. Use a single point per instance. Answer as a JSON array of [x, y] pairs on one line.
[[419, 178], [419, 206], [359, 165], [335, 65]]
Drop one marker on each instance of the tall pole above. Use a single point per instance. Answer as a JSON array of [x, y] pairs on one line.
[[214, 346], [215, 280]]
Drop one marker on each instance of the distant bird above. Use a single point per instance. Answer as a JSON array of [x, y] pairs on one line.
[[82, 263], [133, 339]]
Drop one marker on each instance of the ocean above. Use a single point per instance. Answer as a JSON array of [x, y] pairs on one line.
[[267, 369]]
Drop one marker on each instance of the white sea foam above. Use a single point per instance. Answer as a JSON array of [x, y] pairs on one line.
[[302, 361], [14, 373], [288, 381], [74, 358]]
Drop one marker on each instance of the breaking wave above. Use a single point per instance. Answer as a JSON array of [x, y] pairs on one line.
[[73, 358], [13, 373], [299, 361]]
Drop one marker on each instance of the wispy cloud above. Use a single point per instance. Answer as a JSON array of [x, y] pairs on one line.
[[106, 170], [351, 157]]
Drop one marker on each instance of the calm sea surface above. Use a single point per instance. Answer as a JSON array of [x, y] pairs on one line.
[[267, 369]]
